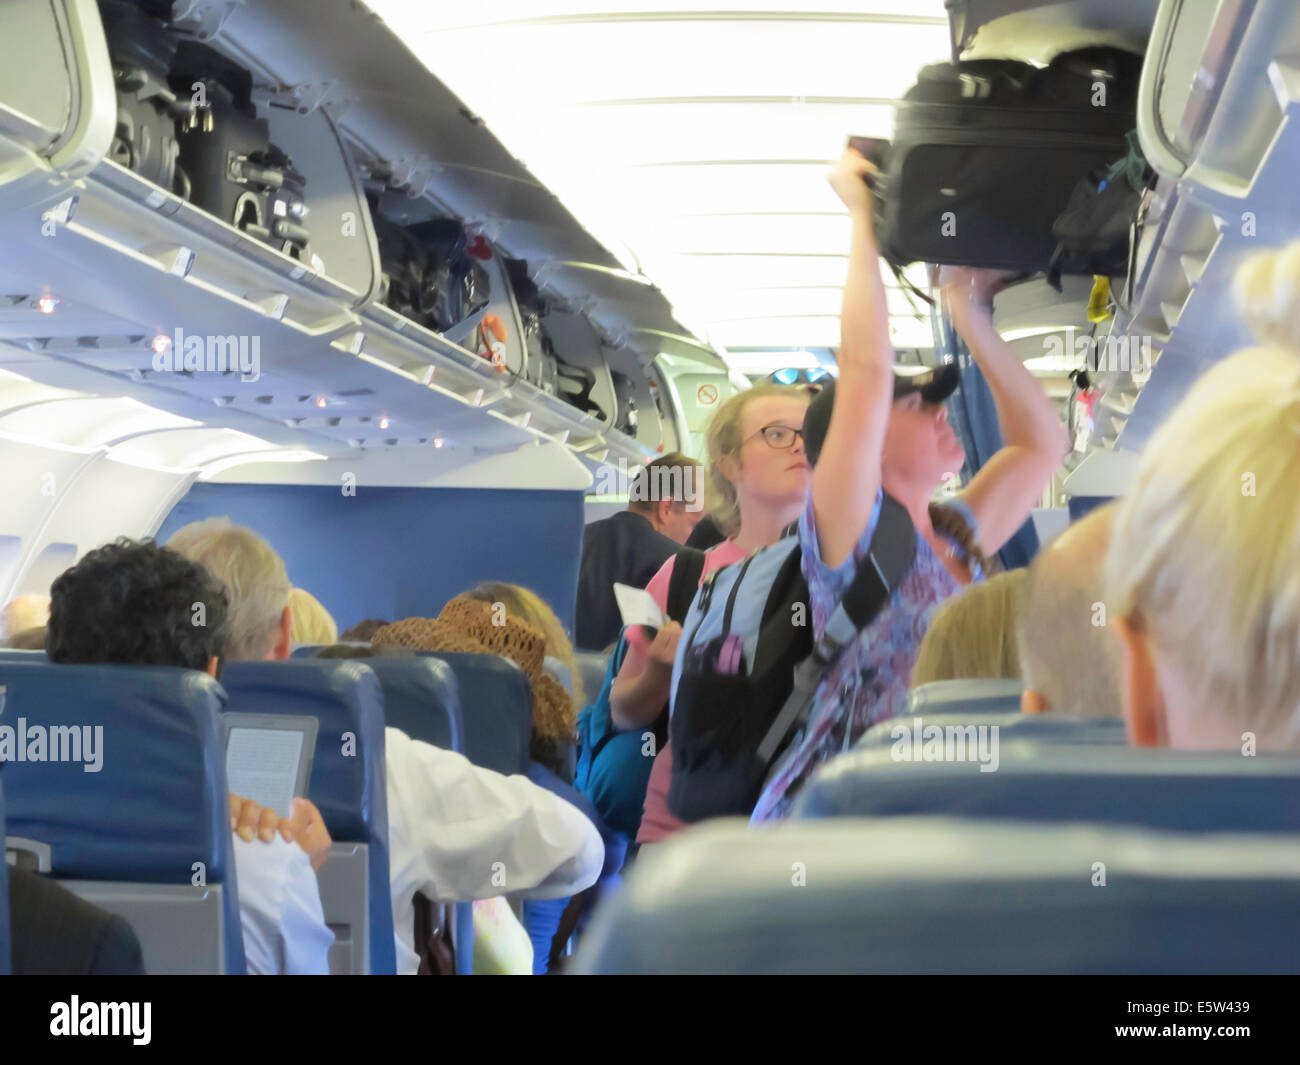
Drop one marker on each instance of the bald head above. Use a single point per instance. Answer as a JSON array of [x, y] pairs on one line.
[[1068, 660]]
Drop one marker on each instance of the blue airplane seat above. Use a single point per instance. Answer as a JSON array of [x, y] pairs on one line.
[[1011, 725], [10, 654], [1156, 788], [496, 713], [347, 784], [147, 834], [4, 889], [592, 666], [421, 698], [496, 710], [933, 895], [981, 695]]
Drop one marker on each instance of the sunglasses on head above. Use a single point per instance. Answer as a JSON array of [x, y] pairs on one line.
[[794, 375]]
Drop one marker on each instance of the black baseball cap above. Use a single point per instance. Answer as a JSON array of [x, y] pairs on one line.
[[935, 385]]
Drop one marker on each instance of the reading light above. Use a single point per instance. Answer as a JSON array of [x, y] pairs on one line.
[[321, 401], [161, 343], [438, 441], [46, 304], [383, 423]]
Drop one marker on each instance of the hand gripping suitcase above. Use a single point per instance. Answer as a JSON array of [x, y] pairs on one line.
[[986, 154]]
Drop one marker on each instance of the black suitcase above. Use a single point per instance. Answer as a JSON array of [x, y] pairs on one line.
[[456, 282], [235, 172], [148, 111], [986, 154], [625, 419], [540, 368], [429, 275]]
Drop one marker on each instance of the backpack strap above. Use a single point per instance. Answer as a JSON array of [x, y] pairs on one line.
[[889, 557], [684, 582]]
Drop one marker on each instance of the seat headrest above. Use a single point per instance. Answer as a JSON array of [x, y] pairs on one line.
[[421, 698], [347, 778], [592, 665], [1012, 725], [967, 696], [1190, 791], [140, 791], [496, 710], [925, 895]]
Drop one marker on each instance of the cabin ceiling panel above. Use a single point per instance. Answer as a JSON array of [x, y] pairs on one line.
[[696, 134]]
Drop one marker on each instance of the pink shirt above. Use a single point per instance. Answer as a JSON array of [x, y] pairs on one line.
[[656, 821]]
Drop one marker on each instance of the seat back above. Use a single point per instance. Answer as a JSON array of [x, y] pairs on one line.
[[496, 710], [347, 784], [421, 697], [933, 895], [1011, 725], [116, 786], [965, 696], [1186, 791]]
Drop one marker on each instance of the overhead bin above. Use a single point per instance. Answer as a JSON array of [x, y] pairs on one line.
[[136, 249]]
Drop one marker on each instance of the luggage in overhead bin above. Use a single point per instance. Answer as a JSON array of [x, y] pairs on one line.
[[540, 368], [625, 419], [235, 172], [430, 275], [986, 154], [149, 112]]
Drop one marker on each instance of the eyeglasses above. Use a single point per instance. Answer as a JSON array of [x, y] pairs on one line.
[[792, 375], [780, 437]]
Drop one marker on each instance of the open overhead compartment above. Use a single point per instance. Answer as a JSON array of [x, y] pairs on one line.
[[187, 224]]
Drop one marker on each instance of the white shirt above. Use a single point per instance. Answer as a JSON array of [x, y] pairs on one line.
[[458, 833], [280, 910]]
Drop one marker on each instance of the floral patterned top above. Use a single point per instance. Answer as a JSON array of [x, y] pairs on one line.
[[869, 682]]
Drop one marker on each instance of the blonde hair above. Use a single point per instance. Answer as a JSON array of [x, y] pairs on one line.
[[531, 608], [310, 622], [255, 579], [973, 634], [1205, 549], [25, 612], [723, 437]]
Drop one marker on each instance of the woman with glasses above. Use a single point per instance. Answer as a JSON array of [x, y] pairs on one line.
[[760, 478]]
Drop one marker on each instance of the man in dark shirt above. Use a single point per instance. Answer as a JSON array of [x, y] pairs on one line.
[[665, 501]]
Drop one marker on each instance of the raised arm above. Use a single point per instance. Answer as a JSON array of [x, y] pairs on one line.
[[847, 476], [1009, 485]]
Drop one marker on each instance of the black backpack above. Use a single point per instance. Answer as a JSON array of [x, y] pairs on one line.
[[729, 728]]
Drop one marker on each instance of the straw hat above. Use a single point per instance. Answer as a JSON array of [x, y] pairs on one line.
[[467, 626]]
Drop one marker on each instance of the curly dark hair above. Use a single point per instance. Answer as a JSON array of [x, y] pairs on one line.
[[134, 603]]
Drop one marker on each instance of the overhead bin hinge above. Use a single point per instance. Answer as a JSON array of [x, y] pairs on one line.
[[203, 18], [331, 96], [413, 175]]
